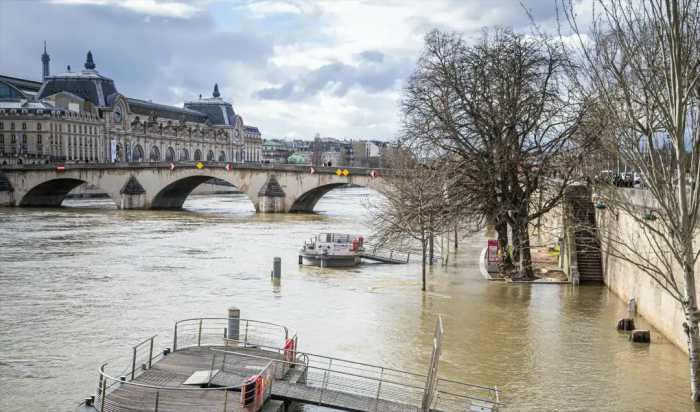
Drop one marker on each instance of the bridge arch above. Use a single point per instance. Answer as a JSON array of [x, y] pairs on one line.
[[52, 192], [306, 202], [174, 194]]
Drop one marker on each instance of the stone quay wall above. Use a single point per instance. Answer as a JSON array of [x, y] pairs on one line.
[[627, 281], [622, 277]]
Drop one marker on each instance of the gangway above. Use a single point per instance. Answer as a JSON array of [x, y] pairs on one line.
[[377, 254], [215, 361]]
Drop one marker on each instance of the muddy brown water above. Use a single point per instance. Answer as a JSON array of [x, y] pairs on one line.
[[79, 285]]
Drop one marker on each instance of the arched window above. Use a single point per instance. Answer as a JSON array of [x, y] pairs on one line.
[[155, 154], [210, 156], [197, 155], [222, 156], [119, 152], [137, 155], [184, 154], [170, 155], [127, 152]]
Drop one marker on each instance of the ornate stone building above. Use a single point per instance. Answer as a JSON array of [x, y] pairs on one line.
[[81, 117]]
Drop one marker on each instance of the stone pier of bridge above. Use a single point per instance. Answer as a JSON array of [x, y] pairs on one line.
[[271, 188]]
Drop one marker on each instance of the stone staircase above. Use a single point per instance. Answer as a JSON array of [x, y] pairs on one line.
[[588, 255]]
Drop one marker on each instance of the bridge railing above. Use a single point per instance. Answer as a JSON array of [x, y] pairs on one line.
[[352, 171]]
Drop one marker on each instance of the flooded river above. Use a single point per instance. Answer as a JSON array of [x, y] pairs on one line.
[[81, 285]]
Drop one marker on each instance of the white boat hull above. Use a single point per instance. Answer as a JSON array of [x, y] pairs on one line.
[[330, 261]]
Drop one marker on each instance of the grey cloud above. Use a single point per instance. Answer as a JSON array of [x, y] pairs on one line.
[[372, 56], [338, 78], [148, 58]]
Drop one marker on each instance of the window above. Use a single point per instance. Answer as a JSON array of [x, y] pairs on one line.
[[38, 126], [2, 125], [13, 139], [24, 126], [24, 139], [2, 139], [38, 138], [12, 126]]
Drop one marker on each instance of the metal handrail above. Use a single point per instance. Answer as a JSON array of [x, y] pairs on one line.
[[203, 328], [379, 381]]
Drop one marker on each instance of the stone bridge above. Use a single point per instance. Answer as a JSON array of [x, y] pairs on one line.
[[271, 188]]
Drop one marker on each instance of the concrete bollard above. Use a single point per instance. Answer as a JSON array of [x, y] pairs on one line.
[[234, 322], [277, 268], [626, 324], [640, 336]]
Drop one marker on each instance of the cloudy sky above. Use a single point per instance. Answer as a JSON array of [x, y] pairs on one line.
[[292, 68]]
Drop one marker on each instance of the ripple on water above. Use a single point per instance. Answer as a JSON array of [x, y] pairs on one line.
[[80, 286]]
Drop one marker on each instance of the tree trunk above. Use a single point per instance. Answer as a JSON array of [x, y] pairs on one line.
[[525, 256], [423, 247], [502, 232], [515, 240], [690, 309], [431, 239]]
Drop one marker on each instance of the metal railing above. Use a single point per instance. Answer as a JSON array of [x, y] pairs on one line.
[[118, 394], [329, 378], [210, 331], [118, 386], [381, 252], [374, 383]]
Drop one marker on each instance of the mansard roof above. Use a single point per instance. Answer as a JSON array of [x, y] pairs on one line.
[[146, 108], [87, 84], [25, 85], [251, 129], [217, 110]]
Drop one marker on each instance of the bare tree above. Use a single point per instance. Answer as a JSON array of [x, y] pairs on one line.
[[642, 65], [501, 115], [415, 205]]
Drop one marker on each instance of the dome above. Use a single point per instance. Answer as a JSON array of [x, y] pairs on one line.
[[88, 84], [218, 111]]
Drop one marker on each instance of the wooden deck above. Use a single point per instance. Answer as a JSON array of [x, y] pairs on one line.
[[173, 370]]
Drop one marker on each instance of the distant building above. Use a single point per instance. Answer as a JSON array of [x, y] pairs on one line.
[[276, 151], [79, 116]]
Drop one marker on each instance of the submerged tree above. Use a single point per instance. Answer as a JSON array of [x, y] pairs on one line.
[[415, 205], [642, 64], [502, 118]]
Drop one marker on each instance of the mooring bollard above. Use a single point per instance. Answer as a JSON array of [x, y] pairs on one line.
[[234, 321], [640, 336], [276, 268], [626, 324]]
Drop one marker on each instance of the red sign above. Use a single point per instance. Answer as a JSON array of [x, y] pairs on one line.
[[172, 166], [228, 167], [60, 168], [374, 173], [492, 250], [312, 170]]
